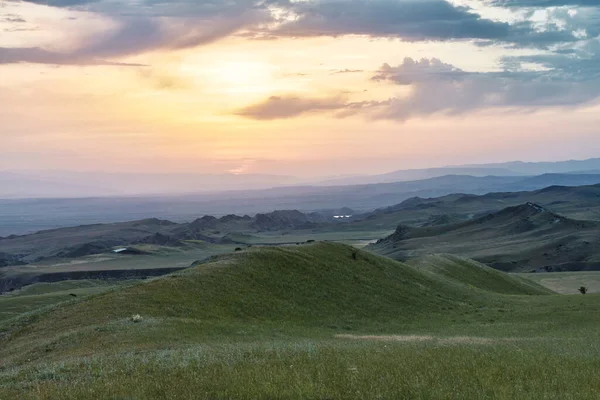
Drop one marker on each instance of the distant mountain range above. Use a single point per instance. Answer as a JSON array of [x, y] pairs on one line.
[[85, 240], [25, 216], [526, 237], [71, 184], [517, 168], [457, 223]]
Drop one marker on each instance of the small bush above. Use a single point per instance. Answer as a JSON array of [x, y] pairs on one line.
[[136, 318], [238, 249], [583, 290]]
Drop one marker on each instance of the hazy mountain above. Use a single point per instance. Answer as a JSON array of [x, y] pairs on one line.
[[521, 238], [582, 202], [421, 174], [24, 216], [546, 180], [71, 184], [84, 240], [538, 168], [517, 168], [19, 185], [65, 184]]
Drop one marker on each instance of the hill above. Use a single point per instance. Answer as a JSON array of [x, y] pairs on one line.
[[521, 238], [465, 272], [308, 322], [319, 286], [580, 202], [101, 238]]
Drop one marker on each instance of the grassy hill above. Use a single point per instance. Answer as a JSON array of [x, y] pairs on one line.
[[313, 321], [521, 238], [465, 272], [313, 286]]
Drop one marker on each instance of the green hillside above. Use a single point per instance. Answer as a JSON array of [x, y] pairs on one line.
[[313, 321], [464, 271]]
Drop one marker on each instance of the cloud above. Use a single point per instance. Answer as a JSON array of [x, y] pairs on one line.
[[411, 20], [412, 72], [36, 55], [544, 3], [147, 26], [276, 107], [13, 18], [346, 71], [440, 88]]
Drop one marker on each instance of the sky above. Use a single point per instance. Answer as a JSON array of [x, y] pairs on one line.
[[306, 88]]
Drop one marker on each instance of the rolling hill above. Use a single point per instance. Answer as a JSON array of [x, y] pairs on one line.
[[580, 202], [101, 238], [312, 286], [466, 272], [246, 325], [521, 238]]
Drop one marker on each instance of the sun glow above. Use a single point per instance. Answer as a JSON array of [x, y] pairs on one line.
[[235, 77]]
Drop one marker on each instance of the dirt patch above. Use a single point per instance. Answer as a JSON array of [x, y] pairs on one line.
[[417, 338], [388, 338]]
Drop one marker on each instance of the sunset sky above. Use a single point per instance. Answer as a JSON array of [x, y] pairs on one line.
[[307, 88]]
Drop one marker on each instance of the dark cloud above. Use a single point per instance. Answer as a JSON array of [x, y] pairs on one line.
[[411, 20], [545, 3], [417, 20], [147, 25]]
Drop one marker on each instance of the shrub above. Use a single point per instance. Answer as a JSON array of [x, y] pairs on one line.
[[583, 290], [136, 318]]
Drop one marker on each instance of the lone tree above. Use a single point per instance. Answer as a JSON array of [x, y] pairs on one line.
[[583, 290]]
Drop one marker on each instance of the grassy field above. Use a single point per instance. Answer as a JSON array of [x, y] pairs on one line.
[[300, 236], [41, 295], [567, 282], [317, 321]]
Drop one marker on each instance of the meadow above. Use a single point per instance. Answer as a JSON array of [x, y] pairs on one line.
[[321, 321]]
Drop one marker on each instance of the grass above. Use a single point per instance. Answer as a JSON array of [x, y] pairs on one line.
[[41, 295], [567, 282], [467, 272], [291, 323]]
